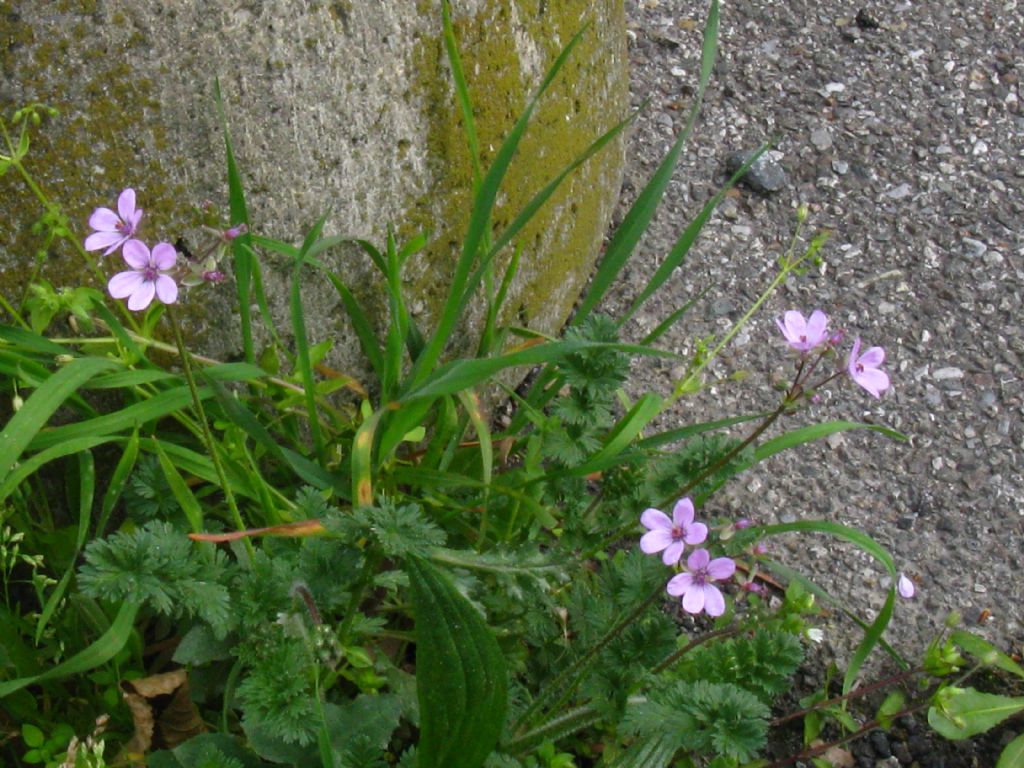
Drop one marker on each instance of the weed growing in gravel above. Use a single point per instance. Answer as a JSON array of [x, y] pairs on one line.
[[221, 564]]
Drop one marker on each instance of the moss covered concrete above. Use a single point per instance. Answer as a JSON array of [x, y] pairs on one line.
[[314, 130]]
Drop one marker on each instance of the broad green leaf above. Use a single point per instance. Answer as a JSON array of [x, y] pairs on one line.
[[108, 645], [959, 713], [1013, 755], [36, 411], [461, 679], [986, 653]]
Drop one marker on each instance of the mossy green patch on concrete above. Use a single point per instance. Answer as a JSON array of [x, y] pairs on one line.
[[108, 136], [560, 243]]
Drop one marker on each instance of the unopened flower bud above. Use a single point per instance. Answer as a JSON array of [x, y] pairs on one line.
[[742, 523], [232, 232], [214, 276], [754, 588], [801, 213], [63, 359], [16, 403], [760, 549]]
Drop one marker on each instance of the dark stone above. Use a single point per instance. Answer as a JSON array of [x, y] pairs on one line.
[[865, 20], [765, 175], [880, 743]]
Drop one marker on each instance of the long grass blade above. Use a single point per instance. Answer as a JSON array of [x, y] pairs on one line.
[[479, 219], [636, 221], [302, 358], [118, 479], [241, 245], [86, 494], [179, 489], [37, 410]]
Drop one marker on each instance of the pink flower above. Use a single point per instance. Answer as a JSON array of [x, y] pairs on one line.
[[114, 229], [673, 535], [695, 586], [147, 276], [866, 371], [905, 587], [802, 334]]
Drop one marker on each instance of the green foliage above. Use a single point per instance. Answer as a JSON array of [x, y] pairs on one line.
[[762, 663], [156, 565], [710, 718], [398, 530]]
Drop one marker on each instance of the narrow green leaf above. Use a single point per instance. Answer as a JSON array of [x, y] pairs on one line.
[[182, 493], [124, 468], [477, 231], [467, 373], [157, 407], [874, 632], [27, 466], [959, 713], [622, 435], [302, 340], [200, 465], [360, 324], [241, 245], [362, 461], [108, 645], [461, 680], [682, 433], [36, 411], [86, 494], [308, 471]]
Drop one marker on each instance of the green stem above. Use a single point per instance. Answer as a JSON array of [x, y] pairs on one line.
[[211, 446], [677, 655], [572, 721]]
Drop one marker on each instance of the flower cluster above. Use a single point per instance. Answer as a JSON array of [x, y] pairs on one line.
[[695, 585], [153, 273], [808, 334]]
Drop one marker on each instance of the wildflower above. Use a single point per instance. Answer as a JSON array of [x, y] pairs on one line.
[[905, 587], [147, 277], [673, 535], [694, 584], [866, 371], [804, 334], [743, 522], [114, 229]]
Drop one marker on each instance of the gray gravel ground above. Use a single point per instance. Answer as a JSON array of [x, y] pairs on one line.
[[904, 134]]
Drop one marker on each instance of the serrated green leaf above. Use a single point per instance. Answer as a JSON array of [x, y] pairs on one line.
[[460, 674]]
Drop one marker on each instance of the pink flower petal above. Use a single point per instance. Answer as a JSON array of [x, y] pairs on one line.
[[696, 533], [655, 541], [124, 284], [905, 587], [873, 358], [721, 568], [682, 515], [126, 204], [104, 220], [679, 584], [655, 519], [164, 256], [714, 603], [166, 289], [851, 365], [816, 326], [693, 599], [142, 297], [136, 253], [672, 553], [873, 380], [698, 559], [99, 240]]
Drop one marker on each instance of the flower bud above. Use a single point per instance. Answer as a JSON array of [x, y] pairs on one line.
[[743, 522], [214, 276], [16, 403], [232, 232], [801, 213]]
